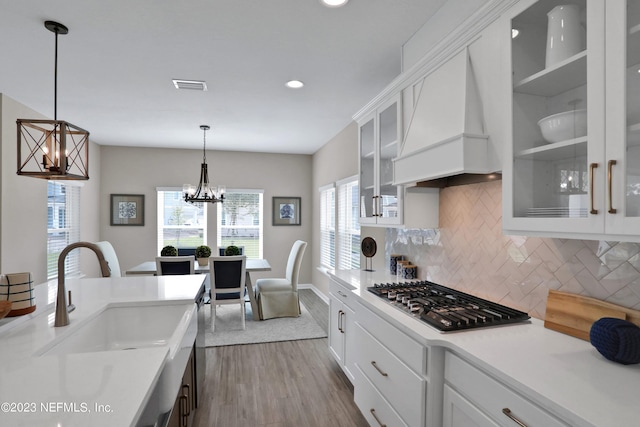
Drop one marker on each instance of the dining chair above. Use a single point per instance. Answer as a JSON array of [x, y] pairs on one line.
[[227, 275], [186, 251], [110, 256], [172, 265], [279, 297]]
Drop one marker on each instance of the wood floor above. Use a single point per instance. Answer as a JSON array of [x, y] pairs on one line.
[[281, 384]]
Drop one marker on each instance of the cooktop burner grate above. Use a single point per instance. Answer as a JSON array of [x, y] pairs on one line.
[[444, 308]]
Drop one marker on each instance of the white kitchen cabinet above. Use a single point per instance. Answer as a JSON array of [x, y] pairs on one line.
[[341, 325], [380, 134], [459, 412], [396, 377], [583, 185], [473, 398]]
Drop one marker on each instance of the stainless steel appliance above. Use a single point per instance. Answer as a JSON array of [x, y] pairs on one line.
[[444, 308]]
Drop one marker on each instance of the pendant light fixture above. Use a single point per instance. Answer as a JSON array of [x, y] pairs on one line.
[[53, 149], [204, 192]]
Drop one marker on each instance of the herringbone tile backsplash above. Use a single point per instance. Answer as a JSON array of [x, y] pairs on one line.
[[469, 252]]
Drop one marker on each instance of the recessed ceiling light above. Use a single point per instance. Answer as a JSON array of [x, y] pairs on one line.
[[334, 3], [514, 33], [294, 84]]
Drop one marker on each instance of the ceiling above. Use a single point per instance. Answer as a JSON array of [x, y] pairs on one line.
[[117, 63]]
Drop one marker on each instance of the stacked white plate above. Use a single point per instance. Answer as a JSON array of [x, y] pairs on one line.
[[560, 212]]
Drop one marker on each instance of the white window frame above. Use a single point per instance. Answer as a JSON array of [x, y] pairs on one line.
[[327, 226], [348, 227], [70, 228], [160, 219], [248, 251]]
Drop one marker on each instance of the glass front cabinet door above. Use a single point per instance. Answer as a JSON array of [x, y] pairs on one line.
[[379, 135], [572, 167]]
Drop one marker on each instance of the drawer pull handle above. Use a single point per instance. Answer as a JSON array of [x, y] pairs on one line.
[[341, 294], [384, 374], [612, 210], [508, 413], [373, 412], [592, 168]]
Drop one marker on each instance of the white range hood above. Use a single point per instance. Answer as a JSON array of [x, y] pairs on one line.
[[446, 135]]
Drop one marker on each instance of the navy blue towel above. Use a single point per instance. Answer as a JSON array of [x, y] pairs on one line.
[[616, 339]]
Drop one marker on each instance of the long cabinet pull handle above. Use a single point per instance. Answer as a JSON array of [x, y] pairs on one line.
[[512, 417], [592, 168], [184, 402], [373, 412], [375, 205], [610, 185], [384, 374], [340, 313], [342, 294], [187, 394]]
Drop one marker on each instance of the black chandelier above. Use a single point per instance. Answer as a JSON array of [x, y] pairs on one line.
[[204, 192], [53, 149]]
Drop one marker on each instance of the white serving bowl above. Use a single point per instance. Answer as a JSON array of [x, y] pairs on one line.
[[563, 126]]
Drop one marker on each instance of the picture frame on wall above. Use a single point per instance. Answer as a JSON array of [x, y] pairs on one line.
[[286, 211], [127, 209]]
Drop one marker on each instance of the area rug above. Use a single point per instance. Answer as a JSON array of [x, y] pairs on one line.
[[228, 327]]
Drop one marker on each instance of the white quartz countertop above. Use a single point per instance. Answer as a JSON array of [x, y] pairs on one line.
[[565, 375], [87, 389]]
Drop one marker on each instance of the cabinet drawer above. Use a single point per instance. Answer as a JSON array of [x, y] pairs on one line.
[[341, 293], [373, 405], [492, 397], [402, 387], [406, 349]]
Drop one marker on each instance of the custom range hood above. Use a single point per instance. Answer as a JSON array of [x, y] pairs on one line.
[[445, 143]]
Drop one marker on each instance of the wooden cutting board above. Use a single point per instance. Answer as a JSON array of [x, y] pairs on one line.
[[574, 314]]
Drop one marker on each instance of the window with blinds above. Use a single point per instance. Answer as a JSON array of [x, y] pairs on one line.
[[240, 221], [327, 226], [180, 224], [348, 225], [63, 227]]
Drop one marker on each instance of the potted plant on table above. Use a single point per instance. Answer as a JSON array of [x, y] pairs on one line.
[[169, 251], [203, 252], [232, 251]]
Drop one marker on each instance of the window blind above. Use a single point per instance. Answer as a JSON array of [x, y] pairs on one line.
[[348, 225], [63, 227], [240, 221], [327, 226], [180, 224]]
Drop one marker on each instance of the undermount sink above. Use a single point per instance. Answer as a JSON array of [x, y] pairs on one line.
[[126, 328], [120, 327]]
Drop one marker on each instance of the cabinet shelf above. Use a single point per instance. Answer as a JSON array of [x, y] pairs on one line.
[[557, 151], [566, 75]]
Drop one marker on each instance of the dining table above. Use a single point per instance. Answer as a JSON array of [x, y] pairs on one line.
[[252, 264]]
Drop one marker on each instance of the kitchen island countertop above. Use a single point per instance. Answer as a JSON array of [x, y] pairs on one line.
[[97, 389]]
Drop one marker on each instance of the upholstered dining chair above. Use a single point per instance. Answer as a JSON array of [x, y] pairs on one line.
[[279, 297], [110, 255], [172, 265], [227, 275]]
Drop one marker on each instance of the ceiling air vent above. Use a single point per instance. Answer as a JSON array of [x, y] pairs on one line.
[[190, 84]]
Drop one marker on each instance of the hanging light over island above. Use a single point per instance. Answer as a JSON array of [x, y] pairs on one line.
[[204, 192]]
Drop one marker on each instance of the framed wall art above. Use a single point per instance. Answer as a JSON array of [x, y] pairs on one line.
[[127, 209], [286, 211]]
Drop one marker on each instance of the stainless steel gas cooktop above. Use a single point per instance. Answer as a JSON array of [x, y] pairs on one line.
[[446, 309]]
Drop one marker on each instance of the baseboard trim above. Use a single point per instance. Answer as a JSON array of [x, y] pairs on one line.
[[315, 290]]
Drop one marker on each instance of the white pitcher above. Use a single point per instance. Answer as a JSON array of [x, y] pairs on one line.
[[565, 37]]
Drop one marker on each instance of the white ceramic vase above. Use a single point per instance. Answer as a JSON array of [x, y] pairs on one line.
[[564, 34]]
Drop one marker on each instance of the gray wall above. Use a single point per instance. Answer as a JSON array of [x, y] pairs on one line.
[[141, 170]]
